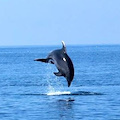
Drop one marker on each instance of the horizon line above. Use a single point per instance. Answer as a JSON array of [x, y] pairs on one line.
[[59, 45]]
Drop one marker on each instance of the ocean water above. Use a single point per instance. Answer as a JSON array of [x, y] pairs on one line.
[[30, 91]]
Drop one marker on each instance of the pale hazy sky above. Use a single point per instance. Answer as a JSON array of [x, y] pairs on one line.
[[48, 22]]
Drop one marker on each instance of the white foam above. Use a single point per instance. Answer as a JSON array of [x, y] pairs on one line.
[[59, 93]]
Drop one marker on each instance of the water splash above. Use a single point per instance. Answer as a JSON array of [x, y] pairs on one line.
[[55, 86], [59, 93]]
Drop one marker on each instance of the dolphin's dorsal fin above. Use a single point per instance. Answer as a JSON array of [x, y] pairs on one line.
[[64, 46]]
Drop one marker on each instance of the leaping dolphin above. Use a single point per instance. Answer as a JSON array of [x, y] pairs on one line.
[[63, 63]]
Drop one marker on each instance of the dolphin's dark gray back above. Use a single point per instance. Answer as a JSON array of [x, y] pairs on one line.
[[70, 76]]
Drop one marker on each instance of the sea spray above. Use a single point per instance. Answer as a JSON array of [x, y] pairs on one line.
[[55, 86], [52, 80]]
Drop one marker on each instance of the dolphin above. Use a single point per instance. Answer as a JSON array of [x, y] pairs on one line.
[[63, 63]]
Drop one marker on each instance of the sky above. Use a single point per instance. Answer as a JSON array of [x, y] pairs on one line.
[[48, 22]]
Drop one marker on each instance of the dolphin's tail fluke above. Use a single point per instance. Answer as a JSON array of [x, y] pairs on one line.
[[69, 83]]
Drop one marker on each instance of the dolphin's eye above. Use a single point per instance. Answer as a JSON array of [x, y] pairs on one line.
[[64, 59]]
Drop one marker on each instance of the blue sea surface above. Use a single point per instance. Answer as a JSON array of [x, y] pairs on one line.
[[30, 91]]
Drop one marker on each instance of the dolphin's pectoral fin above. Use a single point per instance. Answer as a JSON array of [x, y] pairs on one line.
[[42, 60], [58, 73], [47, 60]]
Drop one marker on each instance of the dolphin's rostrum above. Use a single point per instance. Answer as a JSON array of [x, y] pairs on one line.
[[63, 63]]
